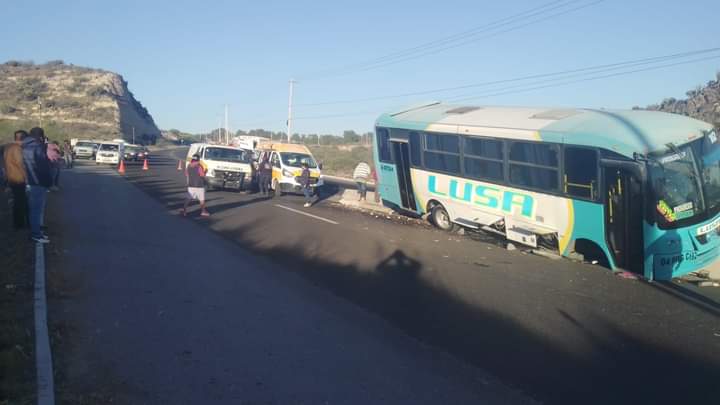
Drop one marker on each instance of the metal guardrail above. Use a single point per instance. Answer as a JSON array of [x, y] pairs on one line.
[[345, 182]]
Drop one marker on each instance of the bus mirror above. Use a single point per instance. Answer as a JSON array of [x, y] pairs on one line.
[[320, 166]]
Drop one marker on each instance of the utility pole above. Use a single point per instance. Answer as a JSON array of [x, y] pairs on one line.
[[227, 132], [40, 105], [289, 120], [133, 135]]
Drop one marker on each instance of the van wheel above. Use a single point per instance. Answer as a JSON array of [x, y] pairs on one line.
[[276, 188], [440, 218]]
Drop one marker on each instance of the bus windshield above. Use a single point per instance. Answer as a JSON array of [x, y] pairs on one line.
[[676, 186], [227, 155], [296, 159], [710, 169], [686, 182]]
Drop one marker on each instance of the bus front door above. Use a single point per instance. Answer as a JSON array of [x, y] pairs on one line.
[[623, 218], [401, 155]]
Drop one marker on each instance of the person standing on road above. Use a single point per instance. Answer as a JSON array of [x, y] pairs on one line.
[[39, 180], [16, 179], [305, 184], [264, 175], [55, 156], [361, 175], [195, 175], [68, 154]]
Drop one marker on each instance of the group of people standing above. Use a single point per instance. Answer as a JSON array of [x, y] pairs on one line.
[[31, 168]]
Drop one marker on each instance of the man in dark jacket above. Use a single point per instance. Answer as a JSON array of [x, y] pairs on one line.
[[264, 175], [306, 184], [39, 180]]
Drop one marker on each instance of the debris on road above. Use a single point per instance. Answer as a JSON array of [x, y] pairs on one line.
[[510, 247]]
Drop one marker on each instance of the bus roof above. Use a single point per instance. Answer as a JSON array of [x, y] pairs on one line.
[[623, 131]]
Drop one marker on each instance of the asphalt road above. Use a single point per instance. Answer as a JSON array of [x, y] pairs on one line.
[[151, 308], [561, 332]]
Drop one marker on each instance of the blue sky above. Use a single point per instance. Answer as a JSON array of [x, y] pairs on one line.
[[184, 60]]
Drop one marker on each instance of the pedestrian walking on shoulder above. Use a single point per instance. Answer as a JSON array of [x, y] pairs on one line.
[[55, 156], [265, 175], [195, 175], [306, 184], [361, 176], [68, 154], [373, 175], [39, 180], [16, 179]]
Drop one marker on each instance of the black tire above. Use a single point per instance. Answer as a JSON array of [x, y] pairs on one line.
[[441, 219], [277, 192]]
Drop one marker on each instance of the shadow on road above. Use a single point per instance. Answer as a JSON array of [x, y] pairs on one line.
[[615, 368]]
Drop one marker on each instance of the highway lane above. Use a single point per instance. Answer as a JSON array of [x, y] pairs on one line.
[[556, 329], [150, 308]]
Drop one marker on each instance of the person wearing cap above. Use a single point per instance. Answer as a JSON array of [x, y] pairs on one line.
[[195, 176]]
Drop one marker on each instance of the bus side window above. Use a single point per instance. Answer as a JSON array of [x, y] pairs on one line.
[[383, 140], [534, 165], [275, 160], [442, 153], [580, 178]]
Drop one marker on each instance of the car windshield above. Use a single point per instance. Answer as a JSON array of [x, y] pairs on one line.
[[297, 159], [130, 149], [85, 144], [227, 155], [108, 147]]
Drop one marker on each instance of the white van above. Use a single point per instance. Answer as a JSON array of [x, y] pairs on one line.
[[109, 152], [227, 167], [286, 160]]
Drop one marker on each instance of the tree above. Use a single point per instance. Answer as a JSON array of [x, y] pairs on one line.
[[349, 136]]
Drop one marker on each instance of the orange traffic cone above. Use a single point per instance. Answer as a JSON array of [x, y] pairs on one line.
[[145, 165], [121, 169], [179, 164]]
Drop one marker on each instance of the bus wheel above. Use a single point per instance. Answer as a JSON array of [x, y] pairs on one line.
[[440, 218]]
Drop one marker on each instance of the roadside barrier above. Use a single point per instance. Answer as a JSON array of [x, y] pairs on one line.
[[121, 169], [145, 165]]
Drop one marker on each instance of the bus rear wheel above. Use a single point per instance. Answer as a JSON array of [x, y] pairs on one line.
[[441, 219]]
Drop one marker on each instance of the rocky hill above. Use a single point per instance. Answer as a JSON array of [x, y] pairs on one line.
[[702, 103], [71, 102]]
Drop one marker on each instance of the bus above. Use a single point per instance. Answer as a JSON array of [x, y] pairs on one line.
[[635, 190]]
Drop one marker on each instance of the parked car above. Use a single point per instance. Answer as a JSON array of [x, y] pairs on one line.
[[135, 153], [85, 150], [108, 153]]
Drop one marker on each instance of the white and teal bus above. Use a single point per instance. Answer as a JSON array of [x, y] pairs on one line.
[[636, 190]]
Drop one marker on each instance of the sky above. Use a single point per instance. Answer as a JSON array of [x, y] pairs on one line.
[[185, 60]]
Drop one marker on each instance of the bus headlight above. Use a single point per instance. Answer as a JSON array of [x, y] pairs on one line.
[[287, 173]]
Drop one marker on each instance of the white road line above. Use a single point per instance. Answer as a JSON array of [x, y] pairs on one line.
[[43, 355], [306, 214]]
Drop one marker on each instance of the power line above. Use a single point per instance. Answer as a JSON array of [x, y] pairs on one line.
[[427, 48], [541, 84], [591, 69], [586, 79]]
